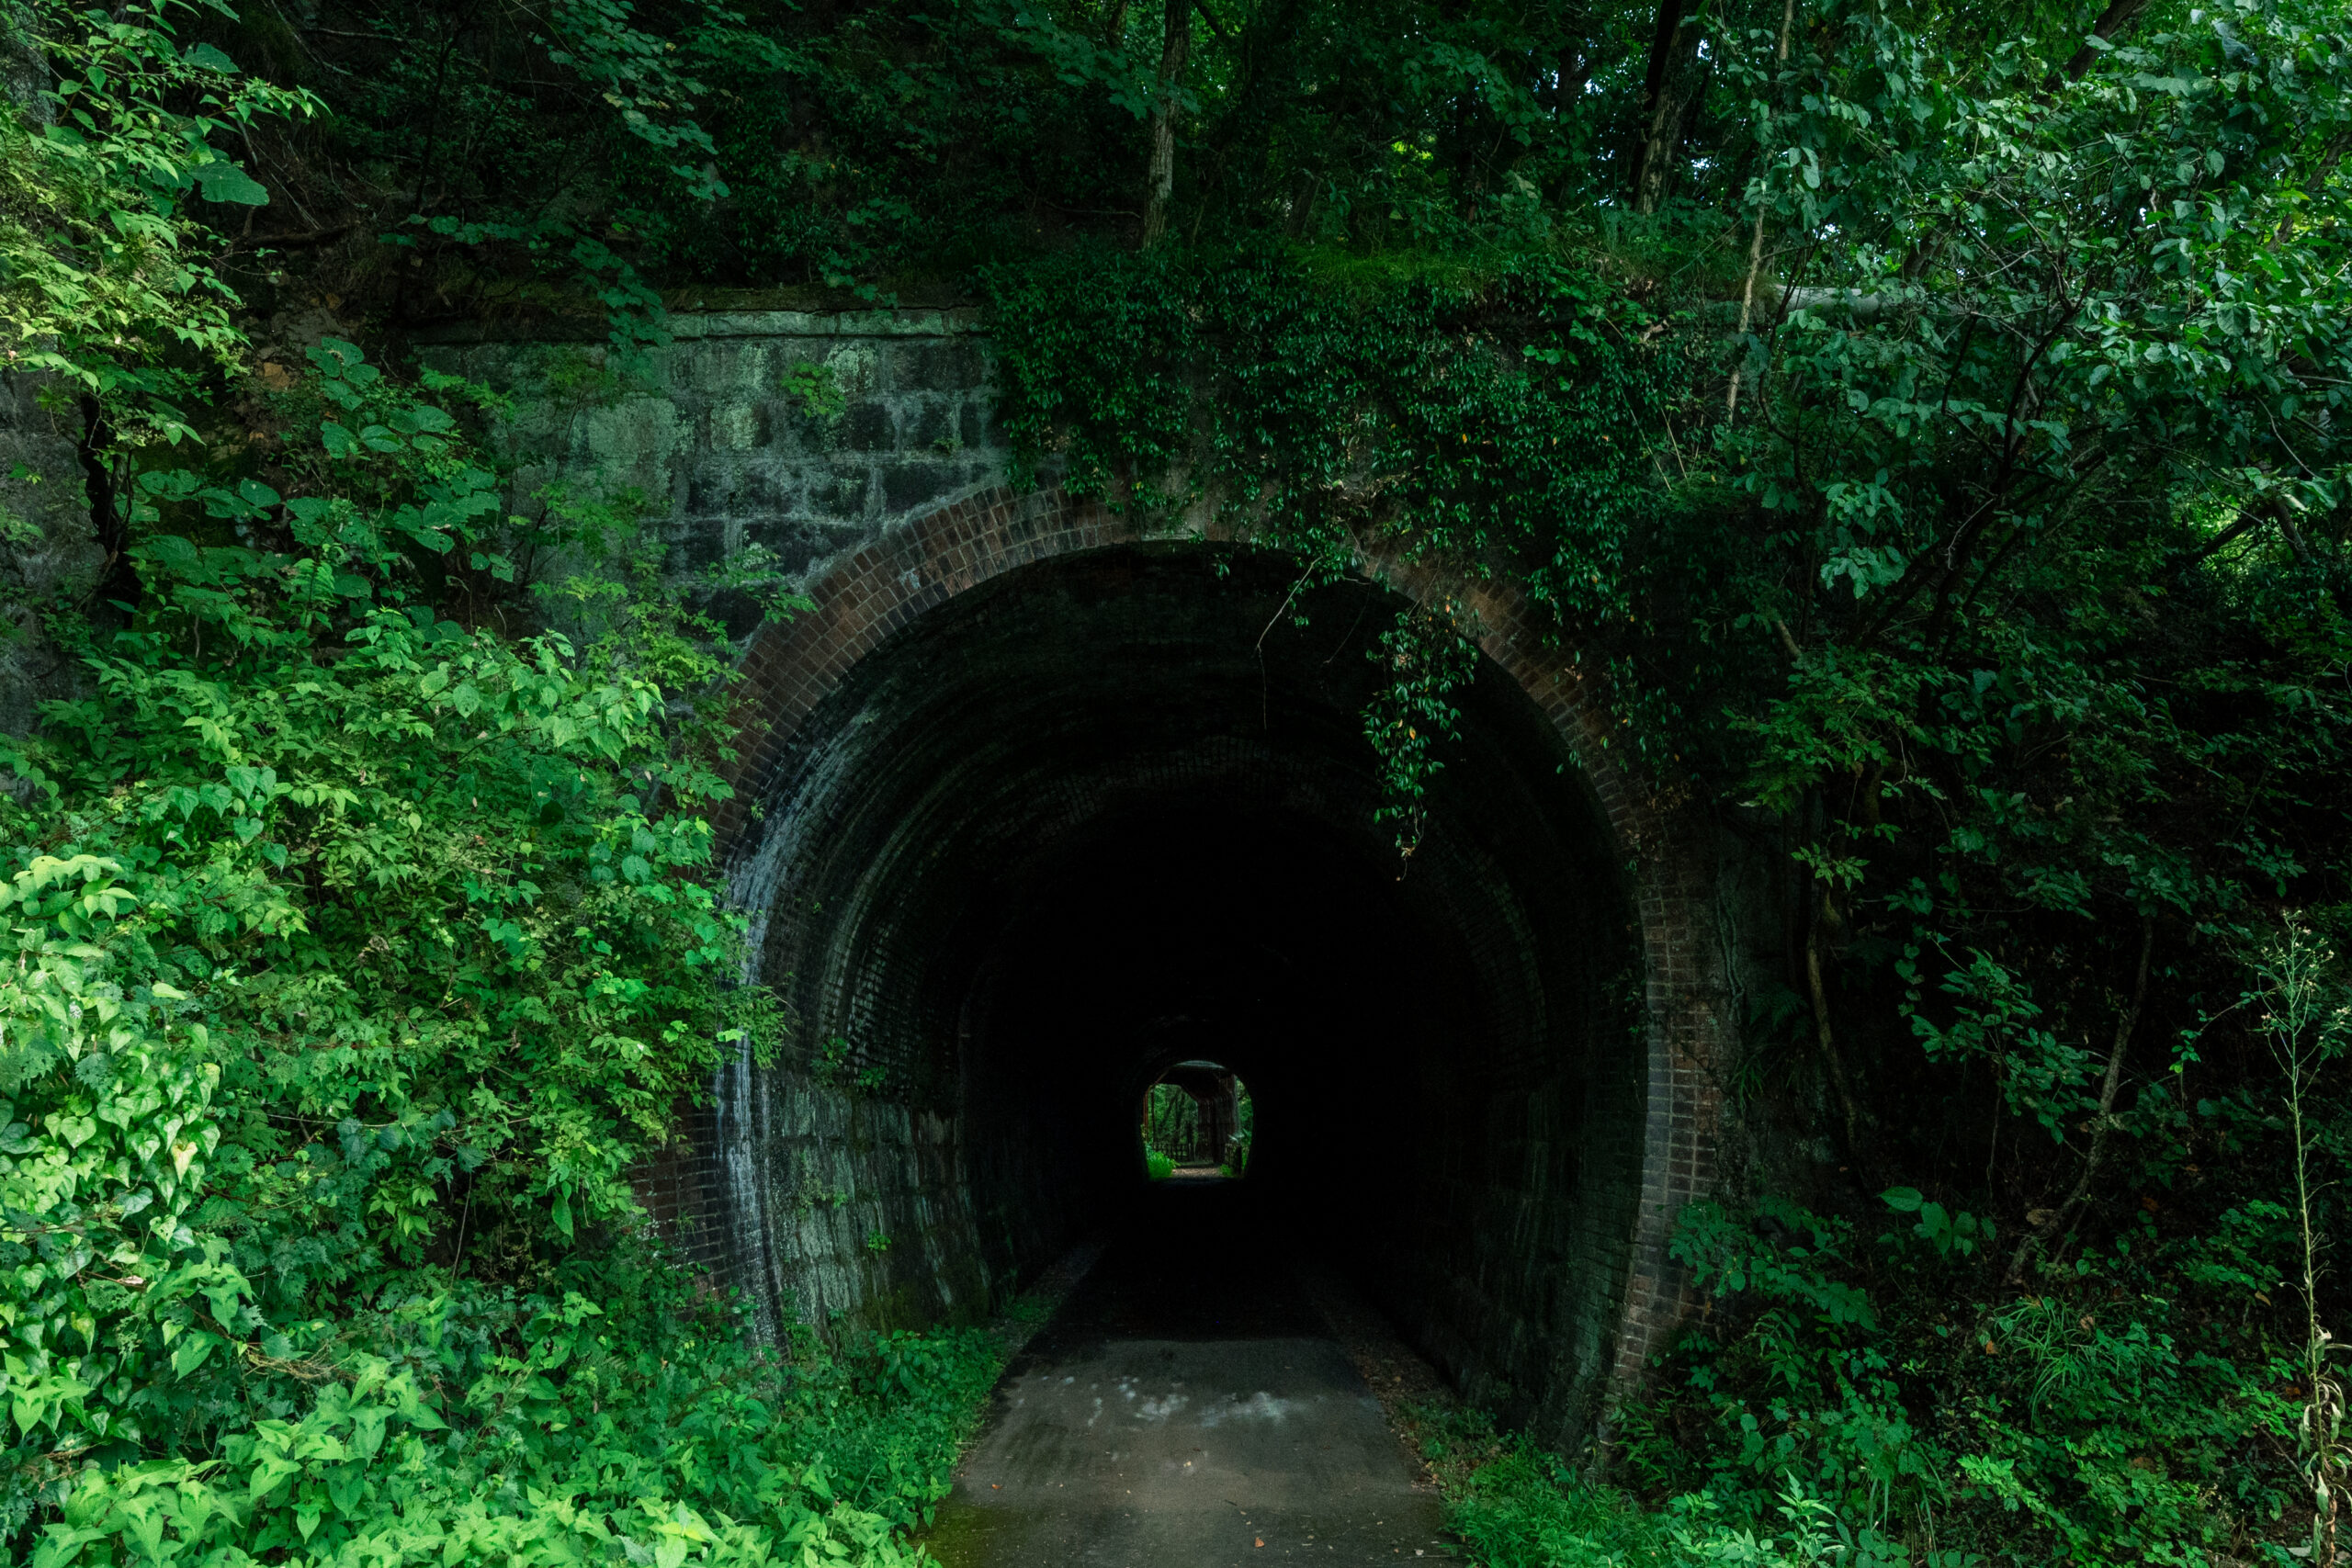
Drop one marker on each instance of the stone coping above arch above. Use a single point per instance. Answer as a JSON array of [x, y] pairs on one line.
[[922, 563]]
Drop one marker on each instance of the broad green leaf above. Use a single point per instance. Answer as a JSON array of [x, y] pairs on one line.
[[227, 183]]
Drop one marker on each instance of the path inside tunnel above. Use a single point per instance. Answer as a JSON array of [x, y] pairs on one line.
[[1190, 1405]]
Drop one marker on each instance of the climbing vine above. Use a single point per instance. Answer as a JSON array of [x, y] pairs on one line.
[[1515, 422], [1424, 658]]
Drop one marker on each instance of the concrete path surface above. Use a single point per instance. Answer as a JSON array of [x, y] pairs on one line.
[[1180, 1417]]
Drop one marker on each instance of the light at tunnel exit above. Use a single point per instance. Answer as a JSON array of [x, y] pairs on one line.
[[1198, 1122]]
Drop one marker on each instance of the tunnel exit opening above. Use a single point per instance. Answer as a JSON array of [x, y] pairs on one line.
[[1110, 819], [1198, 1124]]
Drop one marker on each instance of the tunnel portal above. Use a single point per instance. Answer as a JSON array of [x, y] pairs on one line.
[[1112, 811], [1030, 808]]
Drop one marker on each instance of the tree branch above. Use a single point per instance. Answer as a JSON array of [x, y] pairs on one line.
[[2112, 21], [2102, 1124], [1825, 913]]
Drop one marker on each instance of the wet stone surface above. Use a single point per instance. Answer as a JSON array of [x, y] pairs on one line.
[[1187, 1408]]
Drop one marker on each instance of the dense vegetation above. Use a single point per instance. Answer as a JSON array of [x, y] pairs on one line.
[[1929, 420], [365, 939]]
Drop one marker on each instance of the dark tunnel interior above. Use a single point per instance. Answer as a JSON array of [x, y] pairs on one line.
[[1259, 940], [1115, 811]]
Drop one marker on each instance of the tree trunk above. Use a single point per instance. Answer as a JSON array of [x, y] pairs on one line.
[[1177, 44], [1756, 239], [1858, 1154], [1574, 69], [1673, 75]]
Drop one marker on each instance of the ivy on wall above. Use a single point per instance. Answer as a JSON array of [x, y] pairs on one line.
[[1515, 422]]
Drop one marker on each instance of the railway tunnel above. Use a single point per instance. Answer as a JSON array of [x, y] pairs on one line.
[[1112, 809], [1030, 806]]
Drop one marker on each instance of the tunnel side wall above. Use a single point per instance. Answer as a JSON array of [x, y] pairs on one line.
[[1516, 1250], [857, 1209]]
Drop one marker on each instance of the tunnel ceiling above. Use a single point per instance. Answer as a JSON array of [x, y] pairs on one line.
[[1116, 809]]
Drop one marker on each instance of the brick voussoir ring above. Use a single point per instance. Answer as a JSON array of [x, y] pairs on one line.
[[936, 555]]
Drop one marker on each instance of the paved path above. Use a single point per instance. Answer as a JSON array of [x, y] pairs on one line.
[[1186, 1409]]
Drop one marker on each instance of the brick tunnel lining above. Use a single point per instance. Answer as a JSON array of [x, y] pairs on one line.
[[1114, 810]]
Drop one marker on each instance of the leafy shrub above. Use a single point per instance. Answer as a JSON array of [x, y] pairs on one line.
[[1516, 1505], [104, 282], [2068, 1423], [361, 952], [366, 937], [1793, 1375], [648, 1432], [1529, 1510], [2110, 1436]]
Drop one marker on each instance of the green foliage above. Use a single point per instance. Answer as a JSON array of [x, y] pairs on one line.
[[1938, 461], [2111, 1436], [2074, 1421], [107, 271], [1950, 1235], [362, 954], [1516, 1506], [819, 392], [1519, 430], [381, 850], [634, 73], [1944, 526], [1528, 1510], [1423, 659], [543, 1431], [1994, 1021], [1806, 1389]]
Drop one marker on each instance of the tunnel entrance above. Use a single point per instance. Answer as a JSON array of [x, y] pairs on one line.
[[1198, 1122], [1112, 812]]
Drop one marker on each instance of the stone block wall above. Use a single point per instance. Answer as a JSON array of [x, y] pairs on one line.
[[50, 556], [804, 434]]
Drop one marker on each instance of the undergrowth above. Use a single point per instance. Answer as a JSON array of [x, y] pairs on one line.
[[365, 939], [1852, 1402]]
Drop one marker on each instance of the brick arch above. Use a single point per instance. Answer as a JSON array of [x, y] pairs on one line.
[[863, 598]]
